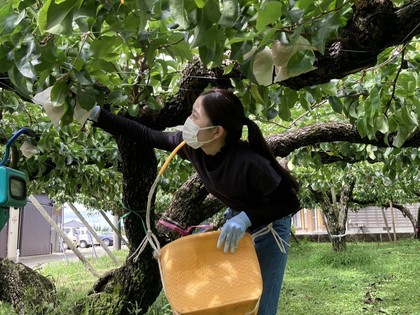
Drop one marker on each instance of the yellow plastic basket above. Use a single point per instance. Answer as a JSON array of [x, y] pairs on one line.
[[200, 279]]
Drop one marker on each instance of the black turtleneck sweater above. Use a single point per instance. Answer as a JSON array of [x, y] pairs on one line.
[[239, 177]]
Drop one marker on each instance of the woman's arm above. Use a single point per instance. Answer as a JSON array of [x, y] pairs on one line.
[[126, 127]]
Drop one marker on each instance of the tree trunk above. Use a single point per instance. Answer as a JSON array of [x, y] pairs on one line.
[[406, 213], [25, 290], [136, 285], [418, 224], [191, 205], [336, 212]]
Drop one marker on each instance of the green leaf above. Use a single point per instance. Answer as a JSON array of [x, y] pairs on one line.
[[23, 61], [106, 48], [229, 13], [67, 117], [133, 110], [272, 113], [228, 69], [146, 92], [400, 138], [179, 13], [56, 17], [324, 28], [336, 104], [328, 89], [19, 81], [406, 85], [239, 49], [211, 11], [301, 62], [6, 58], [259, 93], [153, 103], [306, 104], [103, 71], [83, 77], [247, 67], [269, 14], [59, 93], [416, 102], [212, 52], [288, 101], [362, 127], [200, 32], [153, 48], [117, 97], [86, 97], [381, 123], [201, 3]]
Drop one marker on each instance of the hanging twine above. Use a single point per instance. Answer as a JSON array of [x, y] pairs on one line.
[[150, 237], [269, 229]]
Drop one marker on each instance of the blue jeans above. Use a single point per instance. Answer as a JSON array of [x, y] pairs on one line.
[[272, 261], [273, 264]]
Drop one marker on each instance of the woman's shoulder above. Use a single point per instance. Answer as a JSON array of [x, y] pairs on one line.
[[244, 152]]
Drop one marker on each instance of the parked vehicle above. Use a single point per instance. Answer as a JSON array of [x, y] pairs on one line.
[[108, 239], [73, 235], [85, 238], [82, 238]]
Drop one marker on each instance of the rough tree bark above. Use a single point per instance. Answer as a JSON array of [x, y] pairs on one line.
[[406, 213], [336, 211], [418, 224], [375, 25], [28, 292]]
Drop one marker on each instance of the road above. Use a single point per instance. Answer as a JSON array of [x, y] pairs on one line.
[[39, 260]]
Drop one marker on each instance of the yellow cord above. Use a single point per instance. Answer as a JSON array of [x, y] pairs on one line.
[[150, 237], [165, 165]]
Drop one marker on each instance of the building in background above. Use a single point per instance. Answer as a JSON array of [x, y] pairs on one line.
[[369, 220], [27, 233]]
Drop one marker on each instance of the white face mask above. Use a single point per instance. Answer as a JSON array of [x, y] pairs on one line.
[[190, 132]]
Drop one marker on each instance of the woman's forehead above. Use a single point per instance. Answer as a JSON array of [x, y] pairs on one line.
[[197, 106]]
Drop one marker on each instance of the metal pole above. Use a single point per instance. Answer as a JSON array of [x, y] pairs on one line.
[[94, 234], [386, 224], [69, 243], [393, 221], [113, 226]]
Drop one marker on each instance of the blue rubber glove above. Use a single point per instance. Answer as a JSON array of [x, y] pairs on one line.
[[232, 231], [94, 114]]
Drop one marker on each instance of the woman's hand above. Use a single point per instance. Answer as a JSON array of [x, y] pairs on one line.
[[232, 232], [94, 114]]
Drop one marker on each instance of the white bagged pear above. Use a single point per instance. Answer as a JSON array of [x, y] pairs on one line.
[[53, 111], [28, 150], [263, 67], [282, 53], [81, 114]]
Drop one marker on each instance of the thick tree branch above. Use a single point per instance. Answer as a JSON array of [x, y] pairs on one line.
[[375, 25], [284, 143]]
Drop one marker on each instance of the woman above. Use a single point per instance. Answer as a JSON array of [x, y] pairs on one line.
[[261, 195]]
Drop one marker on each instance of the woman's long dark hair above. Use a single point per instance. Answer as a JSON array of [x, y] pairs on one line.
[[225, 109]]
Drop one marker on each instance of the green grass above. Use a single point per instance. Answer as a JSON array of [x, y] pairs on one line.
[[367, 279]]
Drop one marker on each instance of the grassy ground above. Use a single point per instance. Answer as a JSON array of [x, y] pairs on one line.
[[368, 279]]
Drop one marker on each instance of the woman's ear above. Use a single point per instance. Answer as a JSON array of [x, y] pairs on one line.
[[220, 131]]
